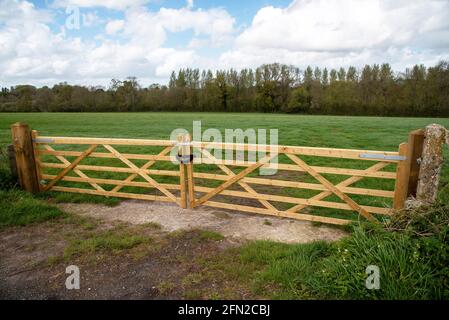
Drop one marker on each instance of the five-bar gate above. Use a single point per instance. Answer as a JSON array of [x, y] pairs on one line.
[[334, 182]]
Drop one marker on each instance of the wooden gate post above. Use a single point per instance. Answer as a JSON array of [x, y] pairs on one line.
[[402, 178], [407, 171], [190, 179], [24, 153], [182, 171], [415, 142]]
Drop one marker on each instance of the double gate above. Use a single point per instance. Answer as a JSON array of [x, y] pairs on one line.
[[326, 185]]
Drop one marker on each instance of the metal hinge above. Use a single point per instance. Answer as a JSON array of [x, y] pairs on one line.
[[43, 140]]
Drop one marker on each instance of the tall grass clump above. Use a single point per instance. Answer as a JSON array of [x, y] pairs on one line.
[[411, 251], [18, 208], [405, 273], [7, 181]]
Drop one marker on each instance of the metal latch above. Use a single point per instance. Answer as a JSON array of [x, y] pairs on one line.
[[184, 159], [381, 156], [183, 144]]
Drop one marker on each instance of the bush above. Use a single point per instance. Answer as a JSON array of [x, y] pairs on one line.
[[7, 181]]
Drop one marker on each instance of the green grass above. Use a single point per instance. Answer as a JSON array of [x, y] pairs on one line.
[[19, 208], [61, 197], [207, 235], [196, 235], [325, 131], [337, 271], [115, 241], [411, 267], [369, 133]]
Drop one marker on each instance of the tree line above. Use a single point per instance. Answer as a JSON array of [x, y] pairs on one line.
[[372, 90]]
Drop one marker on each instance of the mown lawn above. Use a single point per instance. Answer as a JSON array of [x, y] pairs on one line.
[[369, 133]]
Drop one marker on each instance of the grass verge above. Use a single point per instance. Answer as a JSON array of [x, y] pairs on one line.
[[413, 260], [18, 208]]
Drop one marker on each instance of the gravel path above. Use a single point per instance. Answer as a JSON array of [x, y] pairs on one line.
[[230, 224]]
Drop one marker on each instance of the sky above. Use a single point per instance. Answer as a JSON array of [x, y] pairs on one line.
[[89, 42]]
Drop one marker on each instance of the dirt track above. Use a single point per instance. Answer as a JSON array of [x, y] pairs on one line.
[[232, 225], [172, 265]]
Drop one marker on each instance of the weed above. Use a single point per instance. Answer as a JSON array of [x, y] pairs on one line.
[[207, 235], [114, 241], [267, 222]]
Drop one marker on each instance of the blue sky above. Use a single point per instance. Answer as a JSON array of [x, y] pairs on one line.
[[89, 42]]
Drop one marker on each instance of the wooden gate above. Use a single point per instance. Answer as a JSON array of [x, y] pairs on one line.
[[81, 168], [340, 184], [401, 176]]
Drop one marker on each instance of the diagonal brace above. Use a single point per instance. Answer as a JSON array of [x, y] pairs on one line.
[[70, 167], [77, 171], [331, 187], [141, 173], [144, 167], [244, 185], [234, 179], [345, 183]]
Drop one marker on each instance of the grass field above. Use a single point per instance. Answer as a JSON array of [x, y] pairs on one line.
[[368, 133]]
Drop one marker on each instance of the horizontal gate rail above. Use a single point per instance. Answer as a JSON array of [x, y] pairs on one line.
[[307, 151], [106, 155], [110, 141], [113, 194], [385, 156], [112, 169], [285, 199], [328, 170], [122, 183]]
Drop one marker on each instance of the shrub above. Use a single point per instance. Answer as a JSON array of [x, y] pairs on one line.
[[7, 181]]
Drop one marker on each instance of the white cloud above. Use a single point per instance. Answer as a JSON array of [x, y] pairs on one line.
[[345, 25], [344, 32], [114, 26], [31, 52], [168, 59], [325, 33], [216, 23], [110, 4]]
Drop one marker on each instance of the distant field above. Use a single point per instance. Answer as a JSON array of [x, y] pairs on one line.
[[373, 133], [325, 131]]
